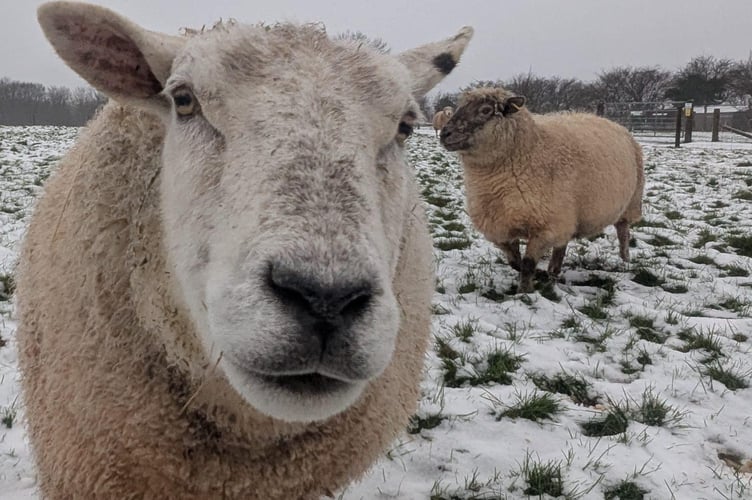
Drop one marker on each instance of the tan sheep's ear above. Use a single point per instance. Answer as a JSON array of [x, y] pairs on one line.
[[513, 104], [116, 56], [430, 63]]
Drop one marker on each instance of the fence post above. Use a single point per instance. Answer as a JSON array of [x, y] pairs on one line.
[[716, 124], [679, 109], [690, 126]]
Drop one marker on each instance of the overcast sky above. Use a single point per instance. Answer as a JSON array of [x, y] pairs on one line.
[[569, 38]]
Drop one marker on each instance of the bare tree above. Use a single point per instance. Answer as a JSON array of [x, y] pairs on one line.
[[444, 99], [704, 80], [740, 81], [24, 103], [628, 84]]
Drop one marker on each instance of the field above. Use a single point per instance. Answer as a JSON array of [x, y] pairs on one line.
[[617, 381]]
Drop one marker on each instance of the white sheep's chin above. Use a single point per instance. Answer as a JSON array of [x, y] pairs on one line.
[[305, 398]]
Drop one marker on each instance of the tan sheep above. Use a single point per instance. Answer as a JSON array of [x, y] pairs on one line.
[[544, 179], [440, 118], [225, 290]]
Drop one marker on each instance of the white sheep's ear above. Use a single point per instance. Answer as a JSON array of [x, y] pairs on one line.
[[430, 63], [116, 56]]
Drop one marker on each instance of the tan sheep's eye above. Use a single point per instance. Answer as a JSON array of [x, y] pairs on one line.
[[185, 102], [486, 109]]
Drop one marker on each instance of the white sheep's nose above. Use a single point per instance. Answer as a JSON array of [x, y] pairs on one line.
[[343, 299]]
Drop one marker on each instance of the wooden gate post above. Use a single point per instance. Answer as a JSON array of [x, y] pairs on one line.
[[716, 124], [679, 109], [690, 126]]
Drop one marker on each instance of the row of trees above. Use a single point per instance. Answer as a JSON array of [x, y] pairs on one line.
[[24, 103], [705, 80]]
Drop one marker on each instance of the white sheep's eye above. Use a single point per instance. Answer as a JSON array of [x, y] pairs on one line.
[[486, 109], [405, 130], [405, 127], [185, 101]]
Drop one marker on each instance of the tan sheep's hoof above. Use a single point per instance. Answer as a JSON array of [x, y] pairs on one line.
[[525, 287]]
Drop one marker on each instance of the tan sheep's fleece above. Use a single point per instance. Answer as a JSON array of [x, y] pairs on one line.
[[96, 311], [551, 178]]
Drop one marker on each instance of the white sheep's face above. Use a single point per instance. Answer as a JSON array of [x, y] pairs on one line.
[[285, 195]]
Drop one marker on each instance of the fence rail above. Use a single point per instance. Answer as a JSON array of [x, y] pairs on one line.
[[678, 121]]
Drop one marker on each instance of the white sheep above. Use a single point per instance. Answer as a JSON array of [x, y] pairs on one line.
[[225, 290], [440, 118], [544, 179]]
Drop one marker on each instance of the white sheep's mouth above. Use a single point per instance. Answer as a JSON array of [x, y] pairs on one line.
[[305, 397], [310, 384]]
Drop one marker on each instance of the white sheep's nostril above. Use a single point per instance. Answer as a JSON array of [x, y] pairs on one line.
[[346, 298]]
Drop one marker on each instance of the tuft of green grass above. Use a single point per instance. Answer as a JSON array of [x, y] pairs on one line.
[[615, 421], [571, 322], [576, 387], [672, 318], [731, 378], [543, 478], [467, 287], [594, 309], [453, 226], [625, 490], [735, 271], [439, 310], [708, 342], [464, 330], [702, 260], [533, 407], [605, 283], [430, 421], [7, 286], [674, 288], [646, 277], [447, 244], [436, 200], [736, 305], [492, 295], [655, 411], [8, 416], [445, 215], [705, 236], [649, 223], [661, 241], [646, 329], [444, 350], [598, 343], [643, 357], [742, 243], [498, 367], [743, 194], [673, 215]]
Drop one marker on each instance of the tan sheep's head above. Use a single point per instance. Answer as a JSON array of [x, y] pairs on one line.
[[284, 193], [479, 112]]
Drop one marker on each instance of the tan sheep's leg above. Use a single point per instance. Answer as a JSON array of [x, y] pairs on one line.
[[512, 252], [557, 257], [536, 247], [622, 232]]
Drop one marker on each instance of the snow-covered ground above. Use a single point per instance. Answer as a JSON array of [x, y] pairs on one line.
[[618, 381]]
